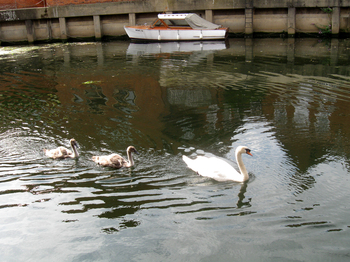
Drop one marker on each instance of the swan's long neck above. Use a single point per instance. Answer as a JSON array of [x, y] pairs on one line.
[[75, 151], [130, 159], [241, 166]]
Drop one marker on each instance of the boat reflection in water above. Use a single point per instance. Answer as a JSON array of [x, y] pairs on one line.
[[172, 47]]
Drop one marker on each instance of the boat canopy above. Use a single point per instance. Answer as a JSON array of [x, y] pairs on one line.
[[194, 20]]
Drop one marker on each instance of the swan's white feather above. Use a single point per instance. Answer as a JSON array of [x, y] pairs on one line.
[[217, 168], [212, 167]]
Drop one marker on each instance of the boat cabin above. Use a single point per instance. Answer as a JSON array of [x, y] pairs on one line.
[[191, 21]]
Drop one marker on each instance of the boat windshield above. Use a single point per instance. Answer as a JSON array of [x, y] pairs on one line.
[[171, 22], [193, 21]]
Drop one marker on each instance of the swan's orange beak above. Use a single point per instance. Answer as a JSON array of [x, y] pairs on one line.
[[248, 152]]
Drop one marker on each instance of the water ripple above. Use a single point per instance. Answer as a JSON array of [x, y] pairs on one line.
[[293, 117]]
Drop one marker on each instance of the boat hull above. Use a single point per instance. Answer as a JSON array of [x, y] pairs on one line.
[[154, 34]]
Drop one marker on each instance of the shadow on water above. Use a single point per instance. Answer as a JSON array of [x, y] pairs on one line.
[[287, 100]]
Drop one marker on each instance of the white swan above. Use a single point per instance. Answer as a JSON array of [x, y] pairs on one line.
[[115, 160], [62, 152], [219, 169]]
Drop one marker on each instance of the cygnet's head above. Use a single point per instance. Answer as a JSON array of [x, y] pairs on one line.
[[132, 149], [73, 142]]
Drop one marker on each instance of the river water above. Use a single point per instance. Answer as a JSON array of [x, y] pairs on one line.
[[287, 100]]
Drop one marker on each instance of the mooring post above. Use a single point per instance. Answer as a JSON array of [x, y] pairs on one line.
[[30, 31], [249, 21], [49, 29], [97, 27], [291, 21], [335, 20], [63, 28], [209, 15], [132, 19]]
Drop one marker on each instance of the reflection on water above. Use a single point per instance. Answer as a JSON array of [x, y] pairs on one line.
[[285, 99], [140, 49]]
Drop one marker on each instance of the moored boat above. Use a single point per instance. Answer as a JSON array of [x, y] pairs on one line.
[[178, 27]]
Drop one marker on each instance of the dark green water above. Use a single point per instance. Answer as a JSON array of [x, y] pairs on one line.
[[287, 100]]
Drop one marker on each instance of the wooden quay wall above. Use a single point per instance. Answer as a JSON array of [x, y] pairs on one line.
[[32, 21]]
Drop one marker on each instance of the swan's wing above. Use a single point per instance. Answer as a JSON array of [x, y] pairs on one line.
[[101, 160], [202, 165], [194, 164], [212, 167], [117, 161], [114, 160], [66, 152], [60, 152]]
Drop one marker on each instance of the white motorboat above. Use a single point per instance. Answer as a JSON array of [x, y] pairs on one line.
[[178, 27]]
